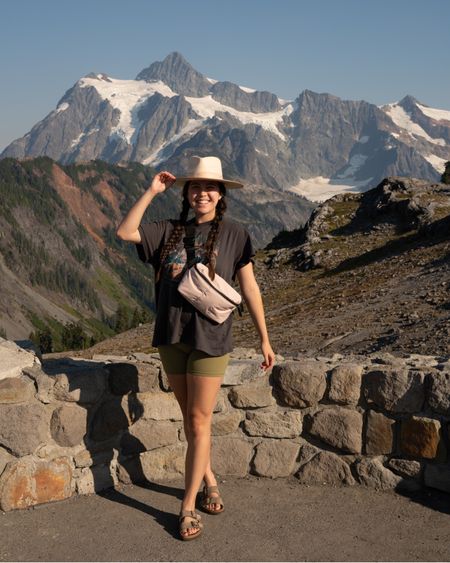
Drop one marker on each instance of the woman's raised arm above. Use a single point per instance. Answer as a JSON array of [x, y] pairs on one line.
[[128, 228]]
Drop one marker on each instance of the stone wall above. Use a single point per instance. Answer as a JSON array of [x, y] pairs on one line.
[[75, 426]]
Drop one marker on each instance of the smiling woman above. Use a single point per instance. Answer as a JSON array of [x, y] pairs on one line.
[[203, 196], [193, 348]]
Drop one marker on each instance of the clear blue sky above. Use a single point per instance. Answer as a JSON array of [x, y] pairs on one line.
[[376, 50]]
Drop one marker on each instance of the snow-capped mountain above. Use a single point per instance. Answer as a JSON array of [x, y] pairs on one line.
[[316, 145]]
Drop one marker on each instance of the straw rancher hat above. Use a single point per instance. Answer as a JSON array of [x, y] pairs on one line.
[[206, 168]]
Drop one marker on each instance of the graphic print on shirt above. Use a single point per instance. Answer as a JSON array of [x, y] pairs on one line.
[[175, 263]]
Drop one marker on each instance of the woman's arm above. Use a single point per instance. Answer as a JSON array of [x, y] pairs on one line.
[[252, 295], [128, 228]]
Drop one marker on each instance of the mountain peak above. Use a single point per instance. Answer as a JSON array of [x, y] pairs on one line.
[[178, 74], [408, 102]]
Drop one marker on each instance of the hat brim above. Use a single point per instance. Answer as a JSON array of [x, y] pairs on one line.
[[180, 181]]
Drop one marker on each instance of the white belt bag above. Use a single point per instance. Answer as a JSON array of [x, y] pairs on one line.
[[216, 299]]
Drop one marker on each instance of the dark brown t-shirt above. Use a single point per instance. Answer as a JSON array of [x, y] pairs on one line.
[[176, 319]]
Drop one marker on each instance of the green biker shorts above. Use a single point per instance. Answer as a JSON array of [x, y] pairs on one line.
[[181, 358]]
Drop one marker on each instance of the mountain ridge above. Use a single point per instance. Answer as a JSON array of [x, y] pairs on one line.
[[313, 145]]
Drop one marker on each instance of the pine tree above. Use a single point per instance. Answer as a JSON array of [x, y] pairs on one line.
[[445, 178], [136, 317], [45, 340], [73, 337], [122, 319]]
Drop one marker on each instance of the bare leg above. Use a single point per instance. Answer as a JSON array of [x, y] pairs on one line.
[[202, 396], [178, 384], [179, 387]]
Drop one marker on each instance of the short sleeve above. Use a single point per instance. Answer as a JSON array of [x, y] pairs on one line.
[[152, 236], [244, 253]]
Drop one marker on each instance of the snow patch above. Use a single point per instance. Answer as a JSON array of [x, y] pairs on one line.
[[363, 140], [126, 96], [401, 118], [437, 114], [166, 149], [319, 189], [436, 162], [355, 162], [206, 107], [75, 142], [248, 90], [212, 80], [62, 107]]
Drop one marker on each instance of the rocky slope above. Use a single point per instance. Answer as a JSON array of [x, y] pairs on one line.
[[60, 259]]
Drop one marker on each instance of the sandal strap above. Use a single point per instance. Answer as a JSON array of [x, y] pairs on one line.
[[211, 489], [190, 513], [208, 498], [191, 524]]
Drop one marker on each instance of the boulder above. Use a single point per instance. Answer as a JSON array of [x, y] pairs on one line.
[[96, 478], [29, 481], [379, 433], [23, 427], [398, 390], [147, 435], [300, 384], [345, 383], [15, 359], [274, 424], [438, 391], [158, 405], [339, 427], [164, 463], [372, 473], [406, 467], [275, 458], [239, 372], [43, 382], [68, 425], [325, 468], [16, 390], [231, 456], [420, 437], [225, 423], [251, 396]]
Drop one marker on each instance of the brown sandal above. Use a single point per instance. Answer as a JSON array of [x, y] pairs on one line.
[[208, 499], [194, 523]]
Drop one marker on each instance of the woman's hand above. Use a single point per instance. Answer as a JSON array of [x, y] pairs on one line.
[[269, 356], [161, 182]]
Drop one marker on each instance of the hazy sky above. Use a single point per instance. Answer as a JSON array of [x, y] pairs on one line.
[[376, 50]]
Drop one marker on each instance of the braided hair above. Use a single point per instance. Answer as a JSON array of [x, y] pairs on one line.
[[179, 230]]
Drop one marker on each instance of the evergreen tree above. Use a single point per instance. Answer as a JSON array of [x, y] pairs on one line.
[[73, 337], [445, 178], [145, 316], [136, 317], [45, 341], [122, 319]]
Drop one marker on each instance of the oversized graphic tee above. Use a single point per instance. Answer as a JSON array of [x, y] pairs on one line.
[[176, 319]]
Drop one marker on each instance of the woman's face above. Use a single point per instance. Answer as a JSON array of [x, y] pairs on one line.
[[203, 196]]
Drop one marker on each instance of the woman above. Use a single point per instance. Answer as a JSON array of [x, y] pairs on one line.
[[193, 349]]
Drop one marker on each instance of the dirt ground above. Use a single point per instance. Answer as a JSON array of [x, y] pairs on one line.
[[264, 520]]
